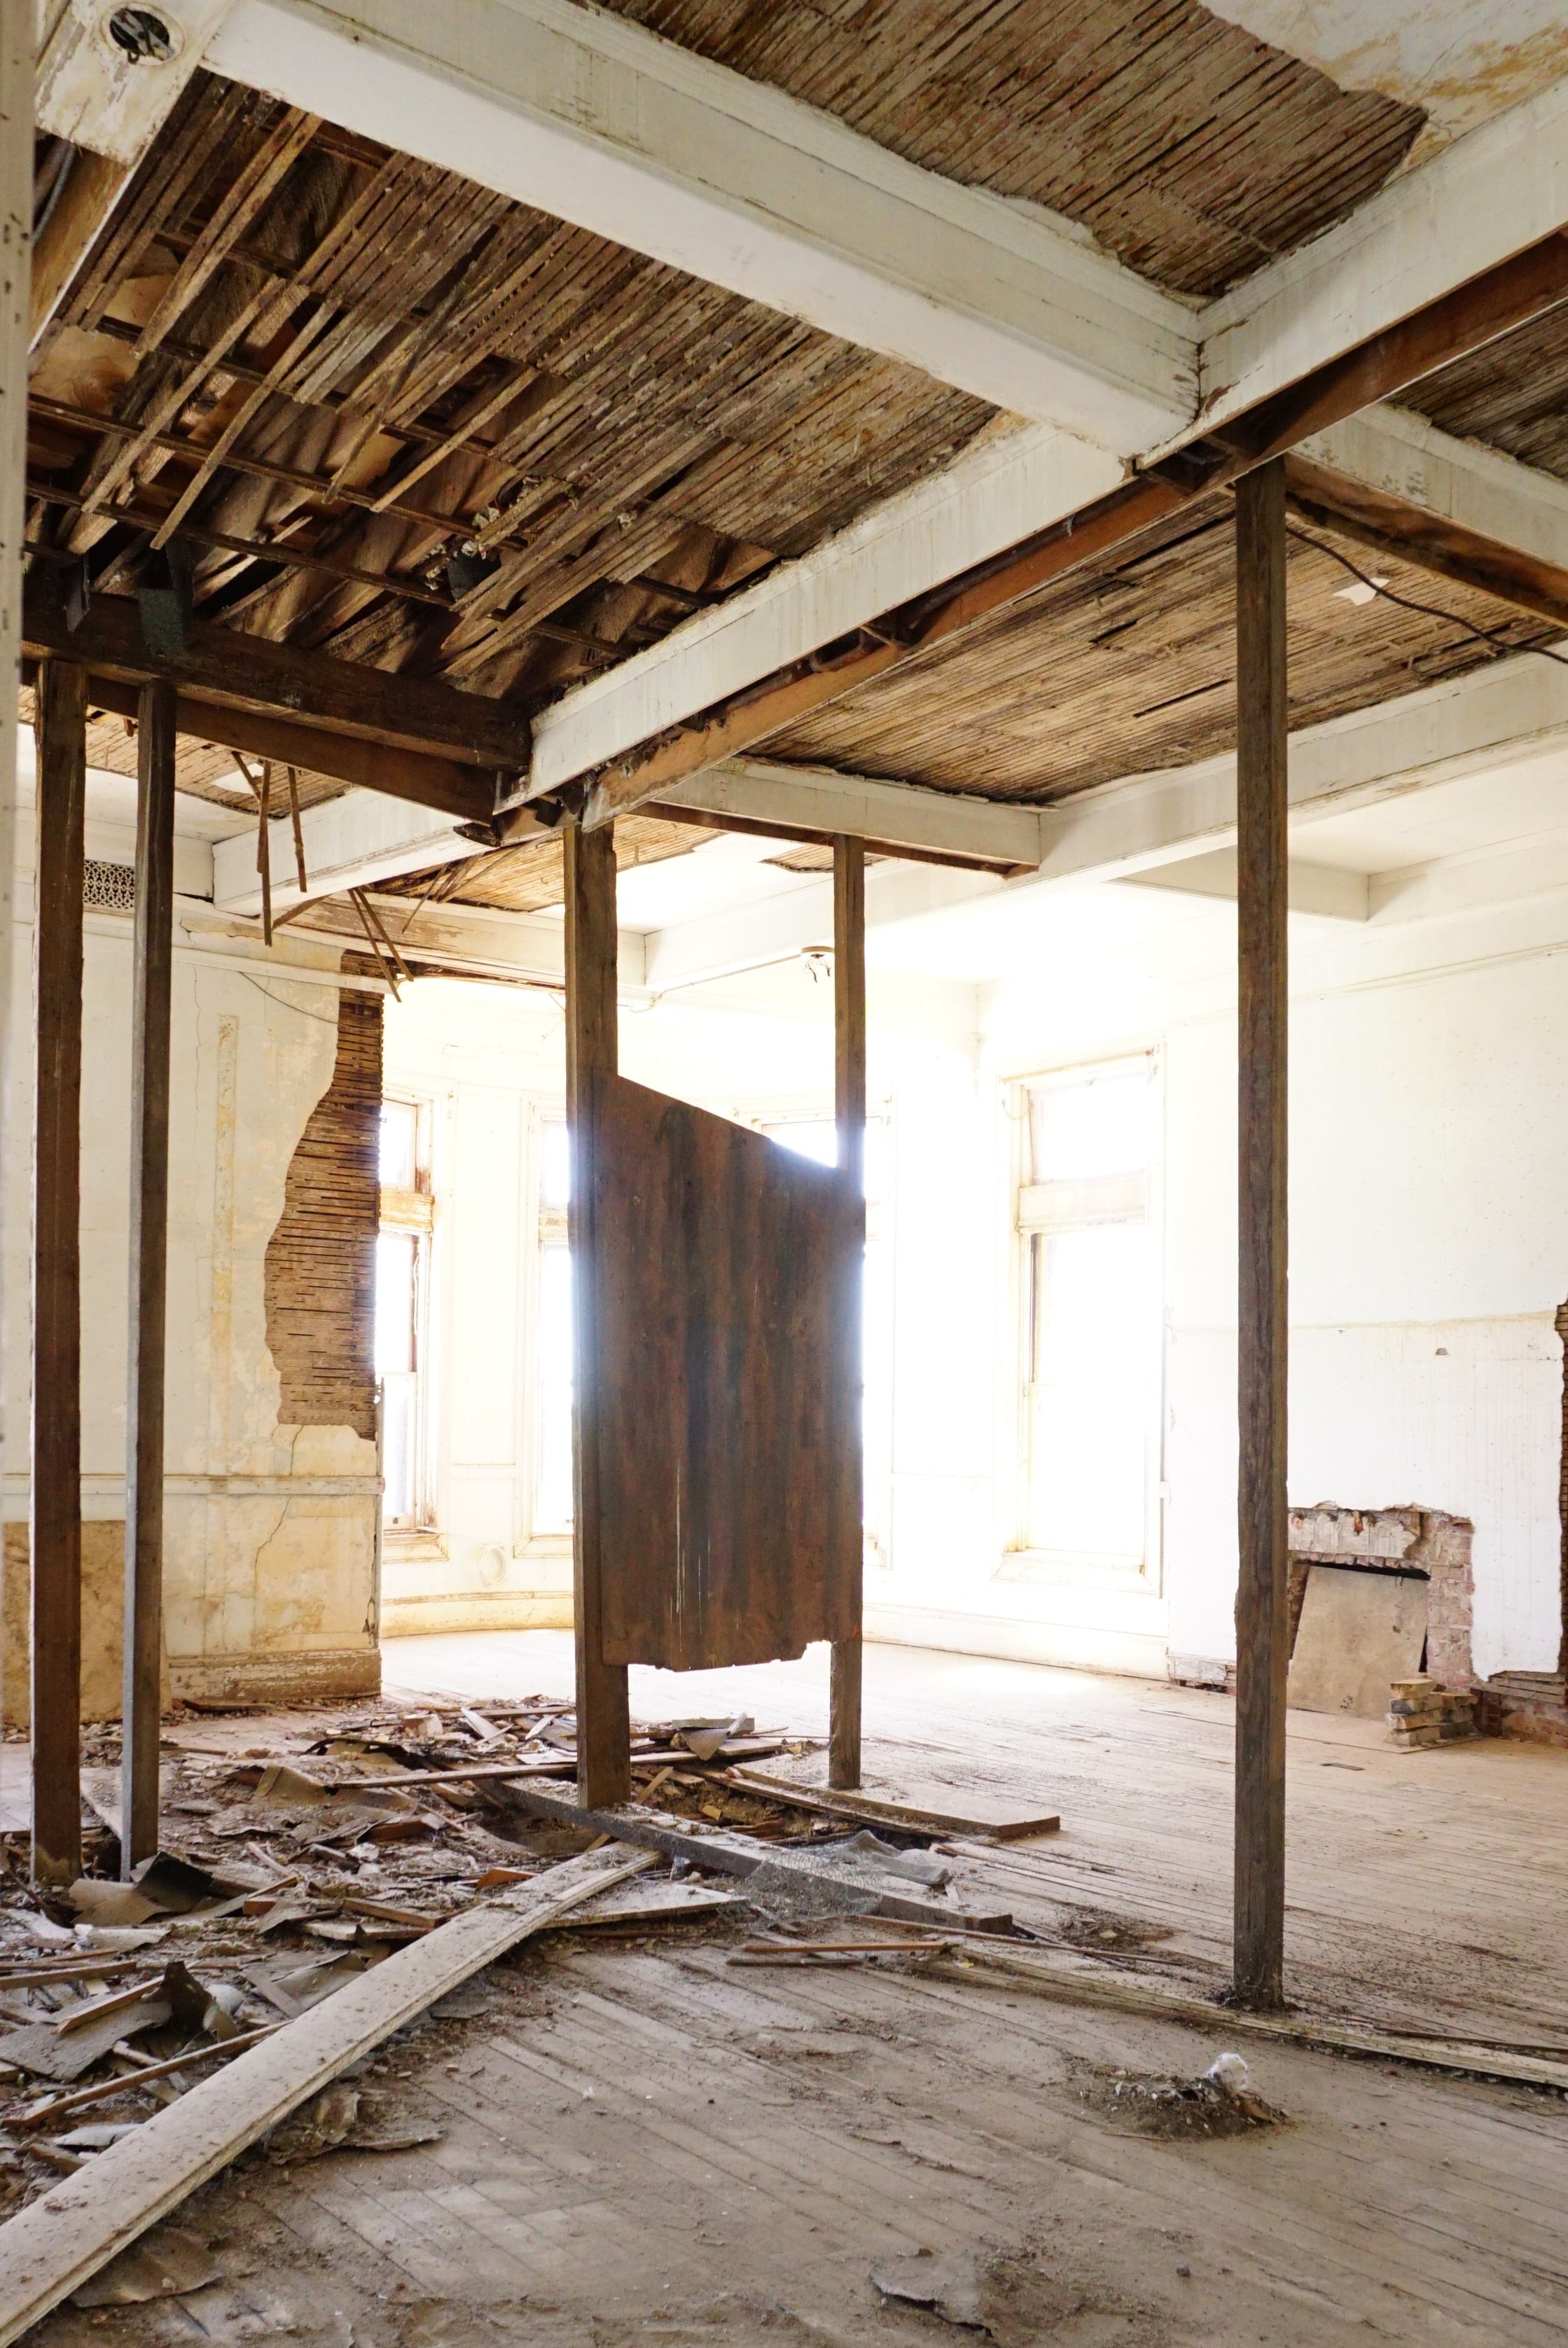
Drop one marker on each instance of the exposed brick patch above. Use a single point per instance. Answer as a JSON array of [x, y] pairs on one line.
[[320, 1274], [1402, 1540]]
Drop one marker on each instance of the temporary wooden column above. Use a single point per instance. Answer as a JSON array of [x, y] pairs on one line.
[[57, 1482], [603, 1720], [1262, 1606], [850, 1108], [148, 1275]]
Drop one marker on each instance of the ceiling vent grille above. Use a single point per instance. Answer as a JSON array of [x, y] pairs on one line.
[[108, 888]]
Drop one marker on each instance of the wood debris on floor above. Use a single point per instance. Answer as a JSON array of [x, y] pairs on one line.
[[300, 1852], [1422, 1712]]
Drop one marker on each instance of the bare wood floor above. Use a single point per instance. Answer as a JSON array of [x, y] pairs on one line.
[[644, 2143]]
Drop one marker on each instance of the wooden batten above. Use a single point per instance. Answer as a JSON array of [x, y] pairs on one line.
[[604, 1721], [55, 1536], [847, 1464], [1262, 1637], [150, 1099]]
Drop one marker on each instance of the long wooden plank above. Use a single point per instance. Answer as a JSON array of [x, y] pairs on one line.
[[1009, 1825], [149, 1265], [1262, 867], [604, 1716], [58, 2241], [235, 671], [56, 1537], [847, 1467]]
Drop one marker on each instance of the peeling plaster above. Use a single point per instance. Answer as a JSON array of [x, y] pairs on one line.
[[1462, 60]]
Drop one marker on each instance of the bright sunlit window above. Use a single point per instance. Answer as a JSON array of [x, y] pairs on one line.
[[1090, 1298], [403, 1313]]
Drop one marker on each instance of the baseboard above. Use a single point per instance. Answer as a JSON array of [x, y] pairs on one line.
[[479, 1610], [326, 1677], [1131, 1655]]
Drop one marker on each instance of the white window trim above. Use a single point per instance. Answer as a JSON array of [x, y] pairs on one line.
[[1019, 1560], [416, 1211]]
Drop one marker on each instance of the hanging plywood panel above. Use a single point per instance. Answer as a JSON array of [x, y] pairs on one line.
[[727, 1269]]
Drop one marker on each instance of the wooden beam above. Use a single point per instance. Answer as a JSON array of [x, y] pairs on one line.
[[464, 792], [153, 960], [603, 1720], [55, 1536], [241, 671], [1516, 290], [1389, 526], [848, 1466], [1261, 1604], [94, 185]]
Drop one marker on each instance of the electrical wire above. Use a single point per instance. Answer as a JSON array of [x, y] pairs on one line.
[[1427, 611]]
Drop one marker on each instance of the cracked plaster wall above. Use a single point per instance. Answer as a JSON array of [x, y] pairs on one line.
[[270, 1526]]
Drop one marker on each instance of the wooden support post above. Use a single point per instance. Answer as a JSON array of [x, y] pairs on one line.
[[1262, 1606], [603, 1720], [16, 33], [142, 1694], [850, 1108], [57, 1480]]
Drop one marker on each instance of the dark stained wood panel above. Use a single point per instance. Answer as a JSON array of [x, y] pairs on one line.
[[1128, 664], [723, 1262], [1194, 151]]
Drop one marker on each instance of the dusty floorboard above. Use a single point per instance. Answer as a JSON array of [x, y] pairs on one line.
[[643, 2144], [652, 2146], [1425, 1890]]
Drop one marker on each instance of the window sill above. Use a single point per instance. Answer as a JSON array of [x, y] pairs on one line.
[[415, 1544], [1065, 1570]]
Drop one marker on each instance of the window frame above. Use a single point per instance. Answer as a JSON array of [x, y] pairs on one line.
[[412, 1211], [1029, 1218]]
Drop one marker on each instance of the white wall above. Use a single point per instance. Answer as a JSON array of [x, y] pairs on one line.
[[1428, 1227], [270, 1527]]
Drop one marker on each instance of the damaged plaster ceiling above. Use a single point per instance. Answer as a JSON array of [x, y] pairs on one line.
[[1462, 61]]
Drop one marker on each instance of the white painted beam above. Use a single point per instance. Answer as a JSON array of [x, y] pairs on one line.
[[1325, 889], [782, 928], [1517, 708], [95, 93], [350, 842], [604, 124], [1478, 490], [1488, 196], [1010, 484], [890, 815], [1001, 488], [1509, 874]]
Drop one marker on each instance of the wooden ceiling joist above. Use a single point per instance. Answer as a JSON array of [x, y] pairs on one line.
[[412, 737]]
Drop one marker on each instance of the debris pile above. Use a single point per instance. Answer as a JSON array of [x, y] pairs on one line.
[[1221, 2101], [288, 1870], [1424, 1712]]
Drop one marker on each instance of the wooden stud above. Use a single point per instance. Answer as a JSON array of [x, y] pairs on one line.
[[55, 1536], [141, 1701], [1262, 1606], [849, 1109], [604, 1719], [264, 850]]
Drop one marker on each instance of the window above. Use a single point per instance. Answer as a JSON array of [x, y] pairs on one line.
[[1090, 1280], [403, 1313], [817, 1138], [551, 1511]]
